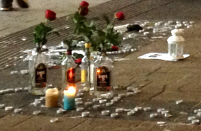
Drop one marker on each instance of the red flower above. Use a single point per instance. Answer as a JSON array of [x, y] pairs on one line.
[[119, 15], [84, 4], [50, 15], [84, 11], [114, 48], [78, 60]]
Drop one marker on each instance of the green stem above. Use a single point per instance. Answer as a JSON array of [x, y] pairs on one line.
[[113, 21]]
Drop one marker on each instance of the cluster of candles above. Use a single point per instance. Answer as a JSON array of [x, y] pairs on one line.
[[52, 98]]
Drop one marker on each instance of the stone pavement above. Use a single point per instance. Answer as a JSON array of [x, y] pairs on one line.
[[19, 19], [161, 82]]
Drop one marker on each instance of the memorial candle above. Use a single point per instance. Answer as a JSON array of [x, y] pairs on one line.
[[51, 97], [69, 98]]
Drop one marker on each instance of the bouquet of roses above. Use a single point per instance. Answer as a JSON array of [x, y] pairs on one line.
[[100, 39]]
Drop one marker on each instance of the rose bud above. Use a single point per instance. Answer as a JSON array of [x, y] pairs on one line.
[[50, 15], [78, 60], [119, 15], [84, 4], [84, 11], [114, 48]]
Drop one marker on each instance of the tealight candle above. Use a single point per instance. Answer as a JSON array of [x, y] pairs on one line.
[[80, 94], [2, 106], [51, 97], [78, 103], [78, 99], [96, 106], [60, 111], [160, 110], [85, 114], [8, 108], [167, 115], [153, 115], [196, 121], [105, 112], [130, 113], [88, 103], [147, 108], [119, 110], [102, 101], [108, 104], [69, 98], [190, 118], [80, 109], [164, 112], [114, 115]]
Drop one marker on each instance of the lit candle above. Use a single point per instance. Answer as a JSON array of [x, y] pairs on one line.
[[69, 98], [51, 97]]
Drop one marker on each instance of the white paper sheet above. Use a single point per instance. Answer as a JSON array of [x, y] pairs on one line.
[[161, 56]]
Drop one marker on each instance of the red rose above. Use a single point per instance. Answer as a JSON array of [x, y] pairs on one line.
[[119, 15], [84, 4], [84, 11], [50, 15], [114, 48], [78, 60]]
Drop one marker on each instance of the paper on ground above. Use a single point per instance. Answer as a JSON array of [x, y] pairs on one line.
[[160, 56]]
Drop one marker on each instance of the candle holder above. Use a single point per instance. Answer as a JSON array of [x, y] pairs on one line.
[[175, 44]]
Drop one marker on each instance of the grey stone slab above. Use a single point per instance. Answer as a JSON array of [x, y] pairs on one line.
[[176, 95], [43, 123], [107, 124], [13, 120]]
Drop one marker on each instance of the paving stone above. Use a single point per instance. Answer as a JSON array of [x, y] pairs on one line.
[[105, 124], [179, 127], [43, 123], [13, 120], [176, 95]]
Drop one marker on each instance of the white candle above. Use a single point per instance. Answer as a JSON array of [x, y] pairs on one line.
[[80, 109], [85, 114], [78, 102], [88, 103], [51, 97], [78, 99], [190, 118], [196, 121], [130, 113], [102, 101], [153, 115], [114, 115], [119, 109], [147, 108], [105, 112]]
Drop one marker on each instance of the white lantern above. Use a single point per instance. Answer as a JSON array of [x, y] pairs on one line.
[[175, 44]]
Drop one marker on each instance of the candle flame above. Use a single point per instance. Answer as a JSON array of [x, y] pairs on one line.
[[72, 89], [98, 71], [70, 92]]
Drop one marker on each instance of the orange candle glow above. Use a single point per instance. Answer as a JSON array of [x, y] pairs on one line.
[[70, 92]]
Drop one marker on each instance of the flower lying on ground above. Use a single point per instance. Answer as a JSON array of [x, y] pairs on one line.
[[114, 48], [50, 15], [119, 15]]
